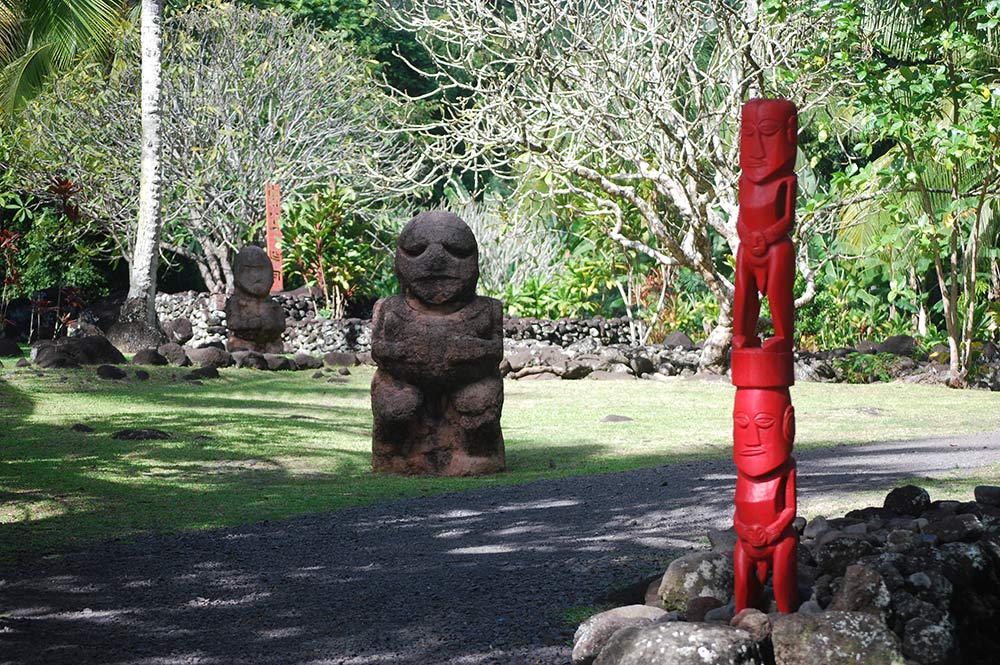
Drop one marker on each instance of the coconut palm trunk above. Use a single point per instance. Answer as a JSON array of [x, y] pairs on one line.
[[137, 325]]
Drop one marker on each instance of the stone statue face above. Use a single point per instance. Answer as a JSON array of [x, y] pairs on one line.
[[763, 429], [437, 259], [768, 137], [253, 272]]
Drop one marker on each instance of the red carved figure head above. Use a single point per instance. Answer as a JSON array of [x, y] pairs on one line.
[[763, 429], [768, 138]]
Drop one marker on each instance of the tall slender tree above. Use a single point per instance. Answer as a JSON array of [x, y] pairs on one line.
[[137, 325]]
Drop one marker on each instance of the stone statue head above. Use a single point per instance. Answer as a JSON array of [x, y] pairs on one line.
[[763, 429], [437, 259], [768, 138], [253, 272]]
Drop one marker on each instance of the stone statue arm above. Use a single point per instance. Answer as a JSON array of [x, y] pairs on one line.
[[775, 529], [384, 351], [787, 189], [473, 348]]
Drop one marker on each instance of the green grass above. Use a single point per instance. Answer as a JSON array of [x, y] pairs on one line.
[[254, 446]]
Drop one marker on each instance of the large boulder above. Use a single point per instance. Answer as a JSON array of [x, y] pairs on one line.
[[10, 349], [174, 353], [834, 638], [594, 633], [908, 500], [696, 574], [862, 589], [681, 643], [148, 357], [898, 345], [179, 330], [76, 351], [249, 359], [210, 356]]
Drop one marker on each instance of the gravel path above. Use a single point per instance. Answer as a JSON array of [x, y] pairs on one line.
[[460, 579]]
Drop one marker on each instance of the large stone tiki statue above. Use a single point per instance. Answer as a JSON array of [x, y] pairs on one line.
[[763, 417], [437, 393], [255, 321]]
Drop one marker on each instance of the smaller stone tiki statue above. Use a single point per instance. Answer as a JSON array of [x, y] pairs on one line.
[[437, 393], [255, 321]]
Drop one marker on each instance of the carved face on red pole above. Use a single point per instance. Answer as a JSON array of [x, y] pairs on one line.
[[763, 429], [768, 138]]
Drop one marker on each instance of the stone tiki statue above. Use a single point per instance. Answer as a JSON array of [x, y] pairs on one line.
[[763, 417], [255, 321], [437, 393]]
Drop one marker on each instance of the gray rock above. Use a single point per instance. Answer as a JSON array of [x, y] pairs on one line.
[[834, 638], [179, 330], [111, 372], [722, 540], [834, 556], [277, 363], [652, 596], [594, 633], [988, 495], [249, 359], [174, 353], [862, 589], [210, 356], [306, 361], [954, 528], [928, 642], [340, 359], [754, 622], [614, 418], [679, 643], [696, 574], [722, 614], [697, 608], [10, 349], [810, 607], [148, 357], [206, 372], [817, 526], [678, 339], [899, 345], [908, 500]]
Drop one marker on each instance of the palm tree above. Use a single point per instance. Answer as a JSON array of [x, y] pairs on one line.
[[41, 37], [137, 325]]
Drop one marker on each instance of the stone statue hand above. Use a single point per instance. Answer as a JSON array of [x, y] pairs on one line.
[[758, 243]]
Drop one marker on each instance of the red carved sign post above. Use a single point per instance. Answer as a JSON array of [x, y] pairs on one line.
[[272, 207], [763, 417]]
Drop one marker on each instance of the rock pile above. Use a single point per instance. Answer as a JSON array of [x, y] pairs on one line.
[[914, 582], [595, 348]]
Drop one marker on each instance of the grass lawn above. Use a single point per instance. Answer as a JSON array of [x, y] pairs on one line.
[[256, 445]]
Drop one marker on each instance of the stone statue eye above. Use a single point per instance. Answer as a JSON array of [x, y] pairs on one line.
[[747, 130], [458, 251], [413, 251], [741, 419], [764, 420]]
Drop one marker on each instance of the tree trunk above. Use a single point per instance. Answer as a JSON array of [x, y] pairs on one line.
[[713, 352], [137, 326]]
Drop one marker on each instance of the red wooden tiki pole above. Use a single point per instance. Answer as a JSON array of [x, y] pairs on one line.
[[763, 417], [272, 211]]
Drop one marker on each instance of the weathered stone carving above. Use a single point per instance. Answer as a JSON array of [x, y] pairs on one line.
[[437, 394], [255, 321]]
